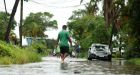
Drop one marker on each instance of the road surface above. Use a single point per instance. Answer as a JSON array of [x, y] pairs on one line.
[[72, 66]]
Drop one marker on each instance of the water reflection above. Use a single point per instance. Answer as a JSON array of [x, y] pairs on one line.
[[64, 66], [72, 67], [116, 67]]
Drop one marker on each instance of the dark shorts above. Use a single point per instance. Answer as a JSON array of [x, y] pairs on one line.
[[78, 50], [64, 49]]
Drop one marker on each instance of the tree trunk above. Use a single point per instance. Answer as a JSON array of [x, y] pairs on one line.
[[21, 20], [6, 13], [10, 21], [5, 6], [120, 47], [107, 11], [112, 31]]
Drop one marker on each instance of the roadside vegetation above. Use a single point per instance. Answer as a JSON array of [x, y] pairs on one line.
[[12, 54], [40, 48], [134, 61], [34, 26], [117, 25]]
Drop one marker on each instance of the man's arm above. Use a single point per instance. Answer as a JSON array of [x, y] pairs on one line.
[[70, 41], [69, 38], [58, 39]]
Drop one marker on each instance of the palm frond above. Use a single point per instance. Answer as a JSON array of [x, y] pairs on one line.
[[81, 1]]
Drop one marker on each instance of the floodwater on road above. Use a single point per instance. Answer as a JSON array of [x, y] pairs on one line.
[[72, 66]]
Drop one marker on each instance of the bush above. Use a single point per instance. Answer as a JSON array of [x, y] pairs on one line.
[[39, 48], [116, 54], [11, 54], [83, 54], [6, 60]]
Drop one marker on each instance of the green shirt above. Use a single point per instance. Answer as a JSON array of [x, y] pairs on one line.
[[63, 38]]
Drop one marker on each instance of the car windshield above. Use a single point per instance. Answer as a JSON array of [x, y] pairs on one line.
[[100, 48]]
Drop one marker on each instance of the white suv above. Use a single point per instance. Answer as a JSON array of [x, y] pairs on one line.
[[99, 51]]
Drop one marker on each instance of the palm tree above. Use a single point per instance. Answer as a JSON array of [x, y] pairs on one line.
[[77, 14], [92, 7], [10, 21], [5, 6], [36, 23]]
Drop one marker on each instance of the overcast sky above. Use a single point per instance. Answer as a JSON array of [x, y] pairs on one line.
[[61, 9]]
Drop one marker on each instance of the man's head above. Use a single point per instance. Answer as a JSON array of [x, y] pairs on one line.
[[64, 27]]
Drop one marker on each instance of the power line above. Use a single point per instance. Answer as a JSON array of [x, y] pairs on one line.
[[63, 2], [56, 6], [54, 2], [4, 8]]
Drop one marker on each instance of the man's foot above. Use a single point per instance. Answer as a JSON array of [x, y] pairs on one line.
[[62, 61]]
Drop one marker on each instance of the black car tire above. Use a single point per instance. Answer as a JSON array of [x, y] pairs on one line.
[[109, 57], [89, 58]]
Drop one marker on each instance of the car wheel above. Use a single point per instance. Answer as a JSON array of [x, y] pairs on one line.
[[109, 57], [89, 58]]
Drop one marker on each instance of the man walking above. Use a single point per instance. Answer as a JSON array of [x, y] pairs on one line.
[[63, 39]]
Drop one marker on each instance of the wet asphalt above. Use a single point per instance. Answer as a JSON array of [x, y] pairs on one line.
[[72, 66]]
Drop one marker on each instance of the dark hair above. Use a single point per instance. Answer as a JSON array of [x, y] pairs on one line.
[[64, 27]]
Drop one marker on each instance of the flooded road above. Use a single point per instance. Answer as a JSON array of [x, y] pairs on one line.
[[73, 66]]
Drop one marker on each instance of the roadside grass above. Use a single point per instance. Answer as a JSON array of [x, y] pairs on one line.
[[83, 54], [11, 54], [6, 60], [135, 61]]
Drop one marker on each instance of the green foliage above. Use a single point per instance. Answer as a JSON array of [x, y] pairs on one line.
[[39, 47], [88, 30], [116, 54], [100, 34], [36, 23], [4, 18], [134, 61], [132, 51], [128, 34], [92, 6], [85, 43], [51, 43], [132, 28], [11, 54], [77, 14], [83, 54], [80, 27], [6, 60]]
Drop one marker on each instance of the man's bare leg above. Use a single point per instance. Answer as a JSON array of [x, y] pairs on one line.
[[65, 55], [62, 58]]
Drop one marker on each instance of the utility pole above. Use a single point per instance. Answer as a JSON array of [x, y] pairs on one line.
[[21, 22]]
